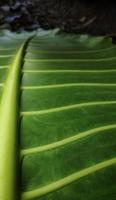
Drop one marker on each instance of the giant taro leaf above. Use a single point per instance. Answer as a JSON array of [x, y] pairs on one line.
[[58, 95]]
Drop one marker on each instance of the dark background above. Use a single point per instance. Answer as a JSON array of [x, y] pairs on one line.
[[72, 16]]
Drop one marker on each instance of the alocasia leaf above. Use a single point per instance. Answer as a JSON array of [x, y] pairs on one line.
[[65, 90]]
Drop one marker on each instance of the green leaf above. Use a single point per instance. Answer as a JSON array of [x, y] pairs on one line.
[[67, 120]]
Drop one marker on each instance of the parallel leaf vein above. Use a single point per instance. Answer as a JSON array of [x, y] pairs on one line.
[[69, 107], [67, 180], [69, 71], [72, 60], [68, 85], [67, 140]]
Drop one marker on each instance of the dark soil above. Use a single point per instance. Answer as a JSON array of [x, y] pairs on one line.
[[72, 16]]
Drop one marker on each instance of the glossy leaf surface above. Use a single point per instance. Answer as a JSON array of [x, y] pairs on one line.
[[68, 118]]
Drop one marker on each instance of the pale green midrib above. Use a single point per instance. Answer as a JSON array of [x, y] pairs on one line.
[[68, 140], [67, 180], [69, 71], [69, 107], [8, 128], [68, 85], [72, 60]]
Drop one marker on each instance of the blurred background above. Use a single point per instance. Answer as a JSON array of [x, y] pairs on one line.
[[72, 16]]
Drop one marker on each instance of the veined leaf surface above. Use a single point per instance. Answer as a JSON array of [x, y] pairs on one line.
[[67, 121]]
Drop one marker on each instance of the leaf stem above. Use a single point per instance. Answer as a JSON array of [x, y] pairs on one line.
[[9, 115]]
